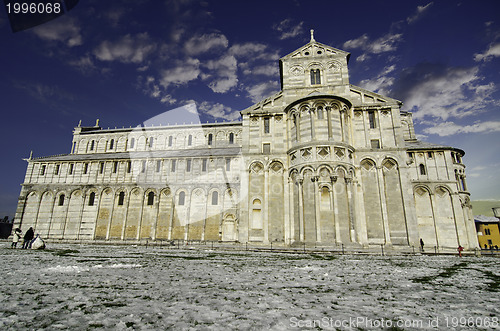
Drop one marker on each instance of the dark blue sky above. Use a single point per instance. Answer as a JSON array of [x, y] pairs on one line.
[[126, 61]]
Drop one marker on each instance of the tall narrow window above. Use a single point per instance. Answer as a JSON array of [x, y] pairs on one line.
[[231, 138], [266, 125], [132, 142], [188, 165], [42, 170], [92, 145], [182, 198], [151, 142], [422, 169], [204, 165], [315, 77], [170, 139], [101, 168], [256, 220], [85, 168], [71, 166], [115, 167], [429, 155], [151, 198], [371, 118], [320, 113], [266, 149], [228, 164], [190, 140], [56, 171], [91, 199], [121, 198], [158, 165], [143, 168], [210, 138], [111, 144], [215, 198], [61, 200], [129, 167], [172, 169]]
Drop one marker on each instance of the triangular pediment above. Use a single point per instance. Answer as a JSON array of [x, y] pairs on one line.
[[314, 48]]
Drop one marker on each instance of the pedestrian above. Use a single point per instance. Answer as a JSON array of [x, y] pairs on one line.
[[460, 249], [421, 245], [28, 237], [16, 236]]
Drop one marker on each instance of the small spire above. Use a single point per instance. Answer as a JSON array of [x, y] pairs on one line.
[[312, 35], [80, 123], [97, 122], [31, 154]]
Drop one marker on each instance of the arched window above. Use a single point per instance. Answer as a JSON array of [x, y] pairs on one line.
[[170, 139], [190, 140], [215, 198], [182, 198], [91, 199], [151, 198], [210, 139], [320, 113], [92, 145], [422, 169], [132, 142], [61, 200], [151, 142], [231, 138], [315, 77], [111, 144], [121, 198]]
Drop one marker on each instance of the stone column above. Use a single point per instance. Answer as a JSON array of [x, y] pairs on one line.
[[350, 201], [265, 206], [287, 196], [433, 203], [301, 209], [383, 204], [329, 121], [338, 239], [317, 199]]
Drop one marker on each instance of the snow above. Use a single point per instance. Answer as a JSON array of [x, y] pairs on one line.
[[123, 287]]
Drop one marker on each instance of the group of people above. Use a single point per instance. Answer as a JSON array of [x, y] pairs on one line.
[[27, 239], [459, 249]]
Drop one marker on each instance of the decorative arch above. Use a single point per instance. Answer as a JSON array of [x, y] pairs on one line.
[[367, 164]]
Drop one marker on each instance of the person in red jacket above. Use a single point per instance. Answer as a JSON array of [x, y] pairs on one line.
[[460, 249]]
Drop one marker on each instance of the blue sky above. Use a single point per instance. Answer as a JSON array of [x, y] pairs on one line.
[[127, 61]]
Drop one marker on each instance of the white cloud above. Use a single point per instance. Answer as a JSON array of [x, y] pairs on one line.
[[204, 43], [63, 29], [184, 72], [262, 90], [84, 64], [382, 83], [129, 49], [288, 29], [450, 128], [223, 72], [247, 49], [420, 11], [217, 110], [264, 70], [438, 91], [386, 43], [493, 51]]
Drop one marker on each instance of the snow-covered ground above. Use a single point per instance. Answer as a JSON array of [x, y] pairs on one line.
[[119, 287]]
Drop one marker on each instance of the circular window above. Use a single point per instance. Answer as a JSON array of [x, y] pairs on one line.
[[306, 53], [319, 52]]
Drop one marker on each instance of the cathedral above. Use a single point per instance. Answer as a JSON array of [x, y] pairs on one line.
[[322, 162]]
